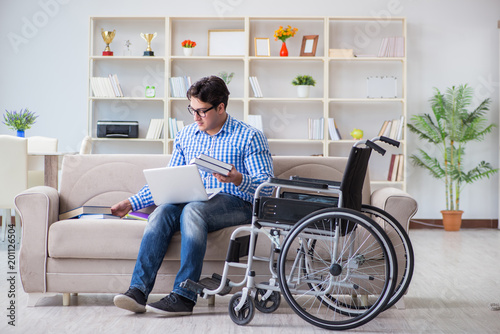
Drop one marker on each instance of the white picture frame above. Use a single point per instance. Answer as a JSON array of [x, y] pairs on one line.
[[262, 47], [226, 42]]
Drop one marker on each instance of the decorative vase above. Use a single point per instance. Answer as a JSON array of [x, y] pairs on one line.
[[452, 219], [303, 90], [188, 51], [20, 133], [284, 50]]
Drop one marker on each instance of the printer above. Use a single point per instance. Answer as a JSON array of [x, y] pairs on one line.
[[117, 129]]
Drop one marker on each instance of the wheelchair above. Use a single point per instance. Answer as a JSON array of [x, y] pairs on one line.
[[337, 263]]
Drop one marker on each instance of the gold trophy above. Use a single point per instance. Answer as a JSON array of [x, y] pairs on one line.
[[107, 36], [148, 38]]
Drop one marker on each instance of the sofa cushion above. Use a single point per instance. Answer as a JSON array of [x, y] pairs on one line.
[[119, 239]]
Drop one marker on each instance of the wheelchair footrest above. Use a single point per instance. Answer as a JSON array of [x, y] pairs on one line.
[[214, 282], [210, 283]]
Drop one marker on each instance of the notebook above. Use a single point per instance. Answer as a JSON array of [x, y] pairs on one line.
[[179, 184]]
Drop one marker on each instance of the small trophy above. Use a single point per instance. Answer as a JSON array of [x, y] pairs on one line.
[[107, 36], [148, 38]]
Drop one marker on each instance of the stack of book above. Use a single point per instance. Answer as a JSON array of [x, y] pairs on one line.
[[396, 168], [211, 165], [88, 211], [174, 126], [316, 128], [392, 47], [106, 86], [179, 86], [155, 129], [333, 130], [392, 129], [257, 92]]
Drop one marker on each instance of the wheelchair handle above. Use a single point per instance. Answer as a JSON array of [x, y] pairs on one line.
[[375, 147], [389, 141]]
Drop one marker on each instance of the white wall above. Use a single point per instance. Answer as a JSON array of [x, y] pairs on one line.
[[44, 49]]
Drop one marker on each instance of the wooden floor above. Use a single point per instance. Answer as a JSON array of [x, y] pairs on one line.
[[457, 276]]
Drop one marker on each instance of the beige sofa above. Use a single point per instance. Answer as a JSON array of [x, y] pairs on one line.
[[98, 256]]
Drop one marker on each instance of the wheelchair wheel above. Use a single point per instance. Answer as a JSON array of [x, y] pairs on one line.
[[269, 305], [321, 271], [402, 247], [245, 314]]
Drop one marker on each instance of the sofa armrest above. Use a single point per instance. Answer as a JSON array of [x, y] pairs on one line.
[[38, 208], [397, 203]]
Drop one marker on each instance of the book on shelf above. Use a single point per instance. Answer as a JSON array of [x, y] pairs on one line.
[[211, 165], [106, 86], [392, 128], [85, 210], [155, 128], [396, 166], [179, 86], [254, 83], [174, 126], [392, 46], [399, 175], [333, 129], [256, 122], [316, 128]]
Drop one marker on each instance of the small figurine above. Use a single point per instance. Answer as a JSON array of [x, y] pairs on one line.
[[357, 134]]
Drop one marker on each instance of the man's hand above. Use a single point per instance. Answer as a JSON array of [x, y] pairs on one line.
[[120, 209], [233, 177]]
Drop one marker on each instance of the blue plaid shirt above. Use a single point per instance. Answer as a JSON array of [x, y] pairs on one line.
[[237, 143]]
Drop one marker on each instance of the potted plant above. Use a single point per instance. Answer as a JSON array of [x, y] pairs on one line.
[[187, 47], [303, 83], [450, 127], [283, 34], [19, 121]]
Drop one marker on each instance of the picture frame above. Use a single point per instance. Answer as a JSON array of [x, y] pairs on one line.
[[226, 42], [262, 47], [309, 44]]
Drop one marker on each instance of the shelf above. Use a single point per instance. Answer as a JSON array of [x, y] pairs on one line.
[[286, 99], [401, 59], [155, 58], [366, 100], [158, 99], [128, 139]]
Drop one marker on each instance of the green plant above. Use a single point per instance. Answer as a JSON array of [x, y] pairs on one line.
[[301, 80], [226, 77], [19, 121], [450, 127]]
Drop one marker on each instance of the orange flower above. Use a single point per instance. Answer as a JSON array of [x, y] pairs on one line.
[[188, 44], [284, 34]]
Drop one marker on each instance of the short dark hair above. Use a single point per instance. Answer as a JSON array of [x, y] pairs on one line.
[[211, 90]]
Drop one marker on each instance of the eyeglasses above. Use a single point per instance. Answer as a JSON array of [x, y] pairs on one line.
[[200, 112]]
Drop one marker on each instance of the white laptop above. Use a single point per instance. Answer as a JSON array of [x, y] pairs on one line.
[[180, 184]]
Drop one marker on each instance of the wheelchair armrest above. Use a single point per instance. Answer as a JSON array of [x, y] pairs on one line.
[[298, 183], [328, 182]]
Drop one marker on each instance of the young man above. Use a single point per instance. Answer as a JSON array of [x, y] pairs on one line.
[[221, 136]]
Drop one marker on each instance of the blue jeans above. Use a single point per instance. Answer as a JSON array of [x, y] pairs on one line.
[[194, 220]]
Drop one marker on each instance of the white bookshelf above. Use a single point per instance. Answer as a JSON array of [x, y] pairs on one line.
[[340, 91]]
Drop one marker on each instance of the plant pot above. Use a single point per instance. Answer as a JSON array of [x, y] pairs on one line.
[[188, 51], [303, 90], [452, 219], [20, 133]]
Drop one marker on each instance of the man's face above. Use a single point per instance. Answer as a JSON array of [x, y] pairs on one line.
[[214, 118]]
